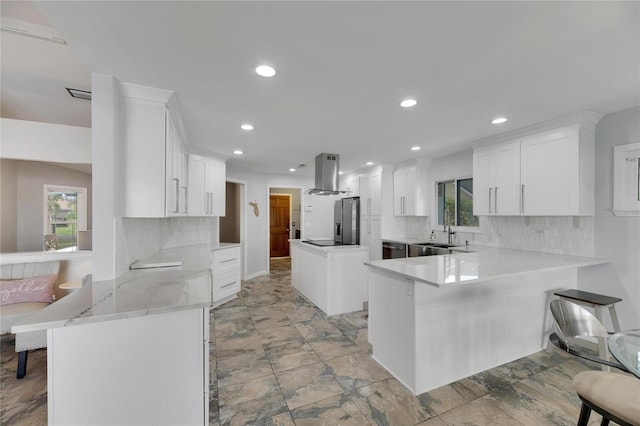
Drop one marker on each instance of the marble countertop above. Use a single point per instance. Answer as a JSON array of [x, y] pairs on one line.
[[329, 249], [134, 293], [483, 263]]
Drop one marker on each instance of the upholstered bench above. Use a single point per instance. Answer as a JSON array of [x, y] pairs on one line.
[[21, 284]]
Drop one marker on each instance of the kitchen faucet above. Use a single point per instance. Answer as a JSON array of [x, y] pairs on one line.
[[448, 231]]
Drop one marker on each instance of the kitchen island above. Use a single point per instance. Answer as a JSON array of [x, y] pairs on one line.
[[434, 320], [134, 350], [334, 278]]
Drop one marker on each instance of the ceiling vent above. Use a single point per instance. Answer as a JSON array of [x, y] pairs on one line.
[[79, 94]]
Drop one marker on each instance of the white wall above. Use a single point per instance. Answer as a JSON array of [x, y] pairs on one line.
[[30, 140], [616, 238], [317, 222]]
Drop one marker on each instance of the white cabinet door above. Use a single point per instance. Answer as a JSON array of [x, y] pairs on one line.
[[370, 236], [496, 179], [215, 178], [550, 174], [371, 193], [351, 185], [411, 191], [144, 157], [176, 185], [196, 191]]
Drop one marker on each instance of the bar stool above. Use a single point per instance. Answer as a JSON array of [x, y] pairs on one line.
[[598, 302]]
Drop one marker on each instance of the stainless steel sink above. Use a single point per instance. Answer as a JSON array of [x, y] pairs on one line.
[[428, 249]]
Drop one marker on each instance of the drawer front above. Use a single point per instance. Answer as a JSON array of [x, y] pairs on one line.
[[225, 260], [226, 284]]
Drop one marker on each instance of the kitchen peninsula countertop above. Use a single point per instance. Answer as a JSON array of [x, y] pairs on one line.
[[329, 249], [135, 293], [482, 264]]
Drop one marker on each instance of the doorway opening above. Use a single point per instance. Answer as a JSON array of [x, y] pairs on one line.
[[284, 224], [233, 224]]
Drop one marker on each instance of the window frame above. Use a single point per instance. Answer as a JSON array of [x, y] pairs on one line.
[[461, 228], [81, 214]]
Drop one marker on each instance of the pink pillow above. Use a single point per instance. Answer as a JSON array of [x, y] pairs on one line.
[[34, 289]]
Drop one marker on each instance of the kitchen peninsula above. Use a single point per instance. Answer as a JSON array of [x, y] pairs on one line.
[[434, 320], [133, 350], [334, 278]]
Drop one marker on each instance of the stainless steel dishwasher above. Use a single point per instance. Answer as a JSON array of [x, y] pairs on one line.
[[392, 250]]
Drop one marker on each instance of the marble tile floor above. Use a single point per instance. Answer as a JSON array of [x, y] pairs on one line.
[[278, 360]]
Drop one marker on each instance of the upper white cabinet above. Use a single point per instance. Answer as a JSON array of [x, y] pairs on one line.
[[557, 173], [496, 179], [549, 173], [411, 191], [351, 185], [371, 193], [206, 190], [626, 179], [152, 155]]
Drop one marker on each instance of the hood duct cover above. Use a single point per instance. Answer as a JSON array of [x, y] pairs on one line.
[[327, 166]]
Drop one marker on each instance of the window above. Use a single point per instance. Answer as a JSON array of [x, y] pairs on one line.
[[455, 203], [65, 215]]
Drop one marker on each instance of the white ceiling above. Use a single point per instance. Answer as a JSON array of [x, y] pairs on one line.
[[343, 68]]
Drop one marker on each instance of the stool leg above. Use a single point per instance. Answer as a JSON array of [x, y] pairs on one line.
[[603, 350], [22, 364], [614, 318], [585, 413]]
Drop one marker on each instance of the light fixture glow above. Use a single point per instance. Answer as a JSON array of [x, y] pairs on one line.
[[408, 103], [238, 152], [265, 71], [415, 148], [369, 163], [498, 120], [247, 126], [340, 173], [292, 169]]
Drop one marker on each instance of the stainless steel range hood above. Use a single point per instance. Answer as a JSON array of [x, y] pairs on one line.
[[327, 166]]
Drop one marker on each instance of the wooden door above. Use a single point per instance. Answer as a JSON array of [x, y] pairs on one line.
[[279, 207]]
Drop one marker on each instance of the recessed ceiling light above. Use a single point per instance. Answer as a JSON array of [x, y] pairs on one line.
[[265, 71], [292, 169], [369, 163], [340, 173], [408, 103], [247, 126], [79, 94], [498, 120], [415, 148], [238, 152]]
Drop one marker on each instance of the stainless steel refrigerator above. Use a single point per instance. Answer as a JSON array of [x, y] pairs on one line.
[[346, 228]]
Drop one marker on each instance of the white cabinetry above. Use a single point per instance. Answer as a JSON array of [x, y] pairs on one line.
[[225, 267], [370, 210], [411, 191], [550, 173], [152, 160], [206, 191], [371, 193], [496, 179], [557, 173], [351, 185]]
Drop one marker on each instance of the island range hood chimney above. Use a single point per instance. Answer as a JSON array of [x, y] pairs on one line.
[[327, 166]]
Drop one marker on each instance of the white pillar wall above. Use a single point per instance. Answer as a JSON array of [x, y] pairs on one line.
[[106, 179]]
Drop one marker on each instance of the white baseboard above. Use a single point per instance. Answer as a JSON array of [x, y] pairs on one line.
[[257, 274]]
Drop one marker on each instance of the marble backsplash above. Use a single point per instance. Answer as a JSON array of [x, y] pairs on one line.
[[139, 238], [573, 235]]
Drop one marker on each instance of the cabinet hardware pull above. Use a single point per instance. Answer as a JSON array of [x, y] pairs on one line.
[[490, 200], [177, 181], [228, 260], [186, 199], [227, 285], [495, 200], [211, 202], [522, 198]]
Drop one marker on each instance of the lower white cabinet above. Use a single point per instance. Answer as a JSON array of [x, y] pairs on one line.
[[225, 267]]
